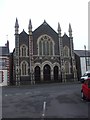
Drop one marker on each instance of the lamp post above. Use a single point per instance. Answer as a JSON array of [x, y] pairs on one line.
[[85, 56]]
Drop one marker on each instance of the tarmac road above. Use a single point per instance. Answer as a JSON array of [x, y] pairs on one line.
[[44, 101]]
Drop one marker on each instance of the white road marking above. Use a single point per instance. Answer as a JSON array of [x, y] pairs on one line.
[[44, 108], [18, 94], [28, 93], [6, 95]]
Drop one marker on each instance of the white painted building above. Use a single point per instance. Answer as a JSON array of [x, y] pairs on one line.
[[83, 65], [4, 65], [3, 77], [82, 61]]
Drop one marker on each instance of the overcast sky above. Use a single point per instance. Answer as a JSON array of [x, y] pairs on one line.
[[53, 11]]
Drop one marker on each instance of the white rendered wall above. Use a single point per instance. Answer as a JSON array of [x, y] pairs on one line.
[[83, 65], [4, 83]]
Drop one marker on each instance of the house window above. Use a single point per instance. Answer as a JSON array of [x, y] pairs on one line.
[[45, 45], [2, 63], [88, 61]]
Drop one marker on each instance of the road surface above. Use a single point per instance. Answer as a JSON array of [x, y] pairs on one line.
[[44, 101]]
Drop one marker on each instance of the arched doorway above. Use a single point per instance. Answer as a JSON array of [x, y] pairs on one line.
[[37, 74], [47, 72], [56, 73]]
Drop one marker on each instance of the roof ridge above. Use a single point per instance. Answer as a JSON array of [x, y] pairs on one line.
[[45, 23]]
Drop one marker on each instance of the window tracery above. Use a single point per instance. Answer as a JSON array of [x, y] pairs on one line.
[[45, 45], [23, 51], [66, 51], [24, 68]]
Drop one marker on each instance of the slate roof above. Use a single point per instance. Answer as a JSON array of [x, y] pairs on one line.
[[45, 26], [4, 51], [23, 33], [66, 40], [24, 38], [81, 53]]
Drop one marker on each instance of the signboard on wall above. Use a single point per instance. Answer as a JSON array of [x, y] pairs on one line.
[[1, 76]]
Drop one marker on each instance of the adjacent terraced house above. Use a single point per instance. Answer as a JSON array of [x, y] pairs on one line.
[[4, 65]]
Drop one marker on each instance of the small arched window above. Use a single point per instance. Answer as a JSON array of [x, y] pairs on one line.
[[67, 67], [24, 68], [23, 51], [66, 51]]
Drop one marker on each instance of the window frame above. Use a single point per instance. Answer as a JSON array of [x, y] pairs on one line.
[[66, 52], [25, 71], [23, 50], [46, 41]]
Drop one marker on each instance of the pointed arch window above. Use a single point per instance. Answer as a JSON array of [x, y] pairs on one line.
[[66, 51], [45, 45], [23, 51], [67, 67], [24, 68], [51, 48], [48, 48], [40, 46], [43, 53]]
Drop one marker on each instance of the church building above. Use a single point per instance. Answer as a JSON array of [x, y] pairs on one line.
[[43, 55]]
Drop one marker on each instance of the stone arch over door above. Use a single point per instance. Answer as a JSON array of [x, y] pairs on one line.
[[56, 73], [37, 74], [47, 73]]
